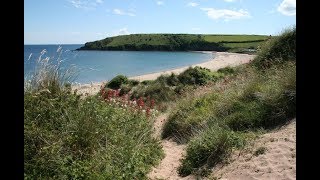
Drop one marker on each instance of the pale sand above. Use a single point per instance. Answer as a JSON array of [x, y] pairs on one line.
[[278, 162], [222, 59], [167, 169]]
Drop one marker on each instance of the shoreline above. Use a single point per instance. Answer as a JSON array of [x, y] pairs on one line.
[[221, 60]]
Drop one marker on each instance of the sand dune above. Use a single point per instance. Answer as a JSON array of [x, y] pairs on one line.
[[278, 161]]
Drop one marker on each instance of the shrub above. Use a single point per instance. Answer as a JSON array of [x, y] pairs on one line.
[[117, 81], [147, 82], [133, 82], [195, 76], [156, 91], [173, 80], [125, 89], [226, 70]]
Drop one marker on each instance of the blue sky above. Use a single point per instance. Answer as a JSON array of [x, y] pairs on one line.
[[80, 21]]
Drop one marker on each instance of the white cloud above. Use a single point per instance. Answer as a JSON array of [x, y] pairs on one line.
[[85, 4], [160, 3], [226, 14], [193, 4], [122, 31], [122, 12], [287, 7], [229, 0]]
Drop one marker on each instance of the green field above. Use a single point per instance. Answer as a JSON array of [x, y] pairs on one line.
[[178, 42]]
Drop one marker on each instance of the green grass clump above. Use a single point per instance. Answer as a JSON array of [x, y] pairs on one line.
[[259, 151], [117, 81], [277, 50], [197, 75], [210, 147], [147, 82], [189, 116], [226, 71], [267, 101]]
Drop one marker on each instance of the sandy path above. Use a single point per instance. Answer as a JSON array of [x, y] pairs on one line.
[[167, 169], [222, 59], [278, 162]]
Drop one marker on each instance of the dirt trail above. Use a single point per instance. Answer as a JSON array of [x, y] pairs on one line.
[[167, 169]]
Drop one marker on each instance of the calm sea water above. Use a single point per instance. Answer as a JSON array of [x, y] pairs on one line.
[[97, 66]]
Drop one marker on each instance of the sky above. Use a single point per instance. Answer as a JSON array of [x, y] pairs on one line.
[[81, 21]]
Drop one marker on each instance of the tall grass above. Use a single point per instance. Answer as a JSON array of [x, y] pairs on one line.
[[262, 95], [48, 74], [68, 137], [277, 50]]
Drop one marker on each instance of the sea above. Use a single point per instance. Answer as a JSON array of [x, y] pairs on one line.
[[97, 66]]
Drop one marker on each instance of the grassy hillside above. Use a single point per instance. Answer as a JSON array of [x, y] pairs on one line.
[[261, 95], [177, 42]]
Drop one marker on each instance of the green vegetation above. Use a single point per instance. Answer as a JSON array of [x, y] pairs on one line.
[[177, 42], [259, 151], [67, 136], [116, 82], [247, 101], [278, 50], [168, 88]]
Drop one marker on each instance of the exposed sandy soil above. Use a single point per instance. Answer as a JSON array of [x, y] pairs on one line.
[[278, 161], [167, 169]]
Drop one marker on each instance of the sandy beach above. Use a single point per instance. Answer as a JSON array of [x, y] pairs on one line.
[[221, 60]]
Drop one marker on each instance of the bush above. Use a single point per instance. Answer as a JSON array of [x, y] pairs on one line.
[[277, 50], [133, 82], [173, 80], [195, 76], [156, 91], [147, 82], [117, 81], [226, 70], [125, 89]]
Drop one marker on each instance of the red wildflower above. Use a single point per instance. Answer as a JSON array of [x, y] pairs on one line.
[[152, 103]]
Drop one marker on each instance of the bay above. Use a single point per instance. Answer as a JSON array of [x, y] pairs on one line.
[[97, 66]]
